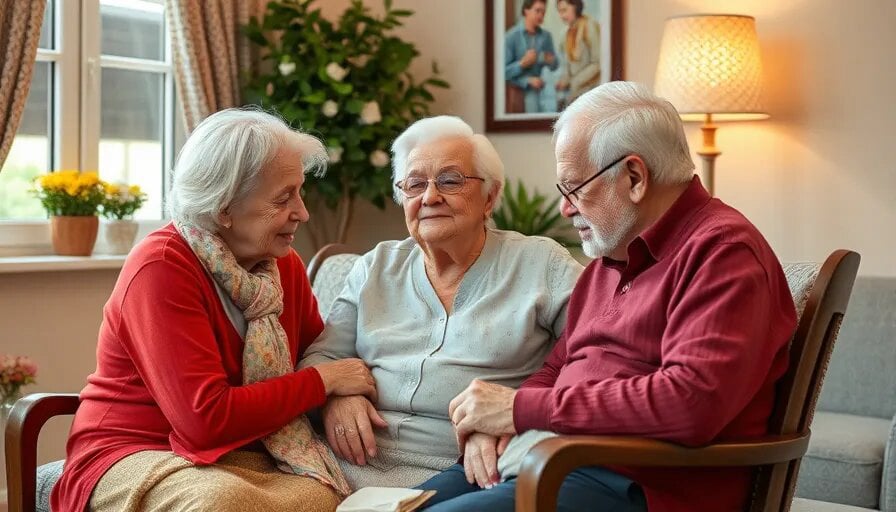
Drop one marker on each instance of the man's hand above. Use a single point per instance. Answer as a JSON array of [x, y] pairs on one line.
[[528, 58], [349, 422], [536, 83], [483, 407]]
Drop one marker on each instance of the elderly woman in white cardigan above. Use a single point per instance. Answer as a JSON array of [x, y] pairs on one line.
[[456, 301]]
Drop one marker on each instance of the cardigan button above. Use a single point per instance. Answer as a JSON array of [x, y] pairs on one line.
[[626, 287]]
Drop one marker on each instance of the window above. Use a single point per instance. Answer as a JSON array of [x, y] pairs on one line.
[[102, 97]]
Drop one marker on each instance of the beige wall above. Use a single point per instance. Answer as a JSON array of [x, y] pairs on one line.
[[53, 317], [815, 177]]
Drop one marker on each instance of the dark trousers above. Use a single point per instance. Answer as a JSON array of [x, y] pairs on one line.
[[591, 488]]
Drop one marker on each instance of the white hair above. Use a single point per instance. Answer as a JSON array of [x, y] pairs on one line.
[[619, 118], [221, 161], [486, 162]]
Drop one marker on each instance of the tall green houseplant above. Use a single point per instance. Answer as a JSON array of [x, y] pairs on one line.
[[348, 82]]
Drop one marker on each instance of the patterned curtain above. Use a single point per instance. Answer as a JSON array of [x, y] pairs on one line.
[[210, 53], [20, 22]]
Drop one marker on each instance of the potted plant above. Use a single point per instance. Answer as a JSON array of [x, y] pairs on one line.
[[120, 202], [533, 214], [72, 199], [347, 81]]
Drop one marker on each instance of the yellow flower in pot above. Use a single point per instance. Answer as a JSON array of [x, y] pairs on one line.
[[72, 199], [120, 202]]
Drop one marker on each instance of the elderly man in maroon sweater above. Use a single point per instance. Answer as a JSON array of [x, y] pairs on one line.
[[676, 331]]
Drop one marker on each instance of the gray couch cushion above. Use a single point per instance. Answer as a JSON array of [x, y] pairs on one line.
[[844, 460], [330, 280], [861, 378], [888, 482], [47, 475]]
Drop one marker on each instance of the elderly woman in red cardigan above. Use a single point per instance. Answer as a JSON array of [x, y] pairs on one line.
[[194, 404]]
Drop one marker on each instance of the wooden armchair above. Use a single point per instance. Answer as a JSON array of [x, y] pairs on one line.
[[776, 456], [30, 413], [26, 419]]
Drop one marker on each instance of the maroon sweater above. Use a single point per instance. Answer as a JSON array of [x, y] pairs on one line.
[[169, 369], [683, 343]]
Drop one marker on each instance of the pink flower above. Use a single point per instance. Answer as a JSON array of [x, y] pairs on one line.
[[15, 372]]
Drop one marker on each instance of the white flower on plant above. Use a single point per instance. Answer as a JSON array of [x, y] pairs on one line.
[[360, 61], [287, 68], [379, 158], [370, 114], [330, 108], [336, 72], [335, 154], [269, 90]]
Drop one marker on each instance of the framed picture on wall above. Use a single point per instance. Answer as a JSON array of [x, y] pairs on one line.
[[542, 54]]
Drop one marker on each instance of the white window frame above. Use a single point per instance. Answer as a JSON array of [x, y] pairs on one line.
[[76, 93]]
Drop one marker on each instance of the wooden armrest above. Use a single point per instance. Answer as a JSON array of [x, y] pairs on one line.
[[23, 426], [549, 462]]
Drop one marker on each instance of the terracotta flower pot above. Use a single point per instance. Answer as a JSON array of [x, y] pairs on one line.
[[74, 236], [120, 235]]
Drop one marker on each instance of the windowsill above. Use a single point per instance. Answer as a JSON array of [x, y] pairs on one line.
[[19, 264]]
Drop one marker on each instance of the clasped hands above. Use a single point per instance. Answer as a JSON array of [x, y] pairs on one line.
[[482, 415]]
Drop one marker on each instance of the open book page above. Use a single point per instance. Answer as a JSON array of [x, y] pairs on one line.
[[384, 499]]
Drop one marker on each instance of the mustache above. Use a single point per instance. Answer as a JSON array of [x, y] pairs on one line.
[[579, 222]]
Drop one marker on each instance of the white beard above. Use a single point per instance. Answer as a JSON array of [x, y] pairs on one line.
[[603, 244]]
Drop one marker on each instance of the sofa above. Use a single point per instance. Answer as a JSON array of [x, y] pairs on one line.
[[851, 461]]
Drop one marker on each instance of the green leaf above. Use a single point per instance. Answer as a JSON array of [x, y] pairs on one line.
[[341, 88], [354, 106], [315, 98]]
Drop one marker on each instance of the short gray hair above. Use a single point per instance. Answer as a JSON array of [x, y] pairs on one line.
[[486, 162], [222, 159], [625, 117]]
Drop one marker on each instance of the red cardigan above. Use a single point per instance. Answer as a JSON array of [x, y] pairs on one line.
[[169, 369]]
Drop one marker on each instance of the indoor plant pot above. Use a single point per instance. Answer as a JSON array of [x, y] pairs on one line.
[[120, 235], [74, 235]]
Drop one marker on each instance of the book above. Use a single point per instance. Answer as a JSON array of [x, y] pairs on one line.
[[384, 499]]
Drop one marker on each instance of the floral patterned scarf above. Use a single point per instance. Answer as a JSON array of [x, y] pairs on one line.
[[258, 294]]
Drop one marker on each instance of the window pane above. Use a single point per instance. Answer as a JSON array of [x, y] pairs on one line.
[[46, 28], [133, 28], [30, 151], [131, 133]]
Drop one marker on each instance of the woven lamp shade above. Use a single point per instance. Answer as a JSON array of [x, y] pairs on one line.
[[710, 64]]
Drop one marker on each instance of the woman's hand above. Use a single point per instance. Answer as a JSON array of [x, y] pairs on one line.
[[347, 377], [349, 422], [481, 452], [562, 85], [529, 58]]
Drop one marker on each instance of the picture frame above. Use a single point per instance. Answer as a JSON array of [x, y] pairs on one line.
[[587, 45]]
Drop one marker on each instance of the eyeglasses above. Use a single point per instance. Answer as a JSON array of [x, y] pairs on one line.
[[571, 195], [449, 182]]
